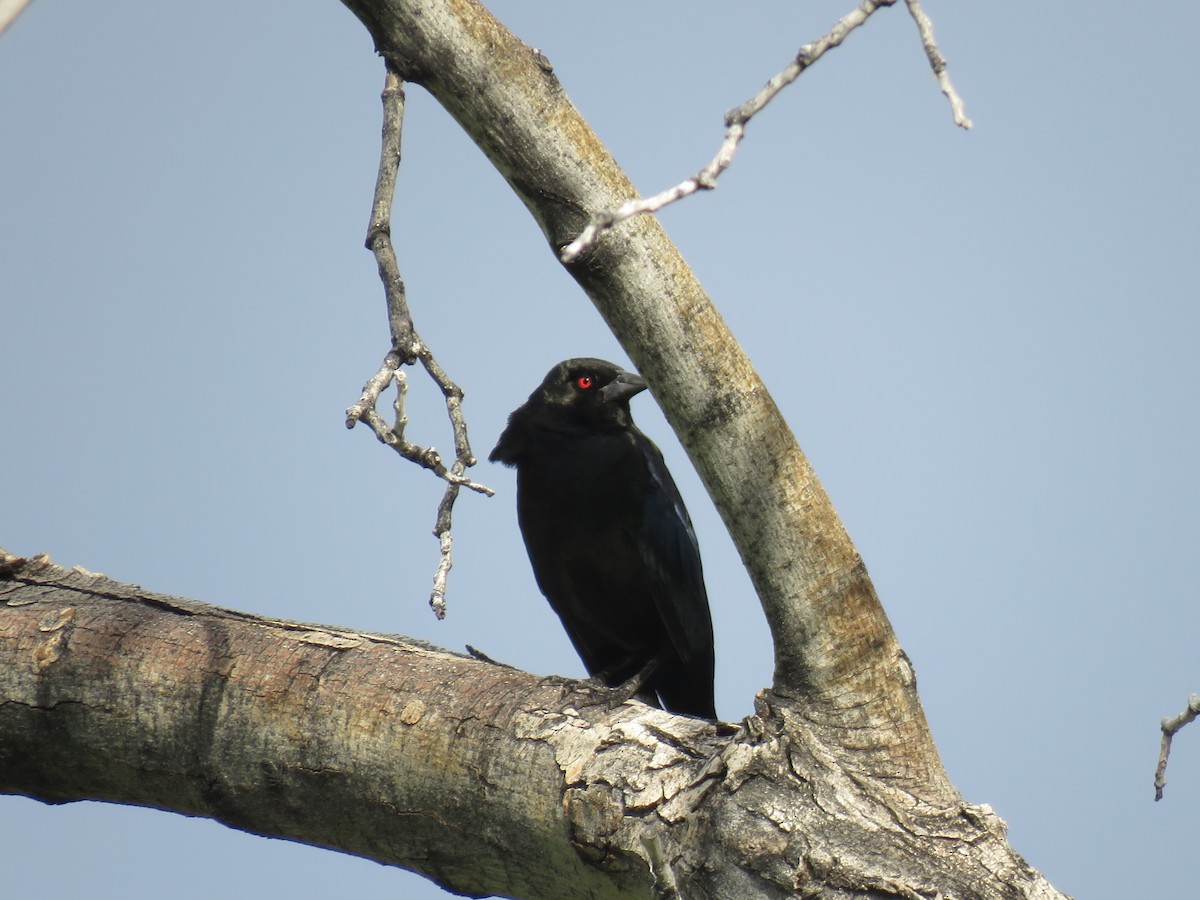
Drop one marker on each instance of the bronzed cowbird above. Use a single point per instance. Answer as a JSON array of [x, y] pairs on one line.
[[610, 541]]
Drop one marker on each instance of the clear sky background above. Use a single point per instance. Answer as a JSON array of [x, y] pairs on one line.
[[985, 341]]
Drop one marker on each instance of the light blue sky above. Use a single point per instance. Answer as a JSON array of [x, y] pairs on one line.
[[983, 340]]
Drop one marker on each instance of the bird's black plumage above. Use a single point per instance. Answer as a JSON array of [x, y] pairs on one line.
[[610, 541]]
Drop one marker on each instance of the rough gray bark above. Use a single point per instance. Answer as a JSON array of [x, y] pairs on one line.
[[482, 777], [375, 745]]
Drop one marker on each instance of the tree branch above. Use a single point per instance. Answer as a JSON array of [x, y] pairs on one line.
[[737, 119], [485, 779], [938, 63], [1171, 727], [407, 348]]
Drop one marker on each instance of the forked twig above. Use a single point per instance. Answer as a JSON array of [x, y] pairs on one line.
[[408, 348], [737, 119]]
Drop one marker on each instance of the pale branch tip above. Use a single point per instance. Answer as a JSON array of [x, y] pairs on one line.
[[437, 597], [407, 348], [937, 62], [1170, 727], [737, 118]]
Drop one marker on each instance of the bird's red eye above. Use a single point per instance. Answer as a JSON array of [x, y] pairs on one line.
[[585, 381]]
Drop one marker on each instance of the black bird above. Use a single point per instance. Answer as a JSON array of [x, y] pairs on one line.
[[610, 541]]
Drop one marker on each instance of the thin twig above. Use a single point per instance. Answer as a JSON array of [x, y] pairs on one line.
[[407, 348], [379, 232], [400, 404], [737, 119], [441, 530], [937, 62], [735, 129], [375, 386], [1169, 729]]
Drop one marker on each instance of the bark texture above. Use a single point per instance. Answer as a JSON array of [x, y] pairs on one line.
[[484, 778], [371, 744]]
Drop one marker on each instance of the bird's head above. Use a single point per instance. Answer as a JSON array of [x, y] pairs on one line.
[[577, 396], [588, 388]]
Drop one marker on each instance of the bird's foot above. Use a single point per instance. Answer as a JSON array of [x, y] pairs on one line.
[[595, 691], [633, 687]]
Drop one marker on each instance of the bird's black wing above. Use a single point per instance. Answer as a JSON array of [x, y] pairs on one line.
[[672, 554]]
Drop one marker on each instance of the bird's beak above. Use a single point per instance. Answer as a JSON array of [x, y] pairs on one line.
[[624, 386]]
